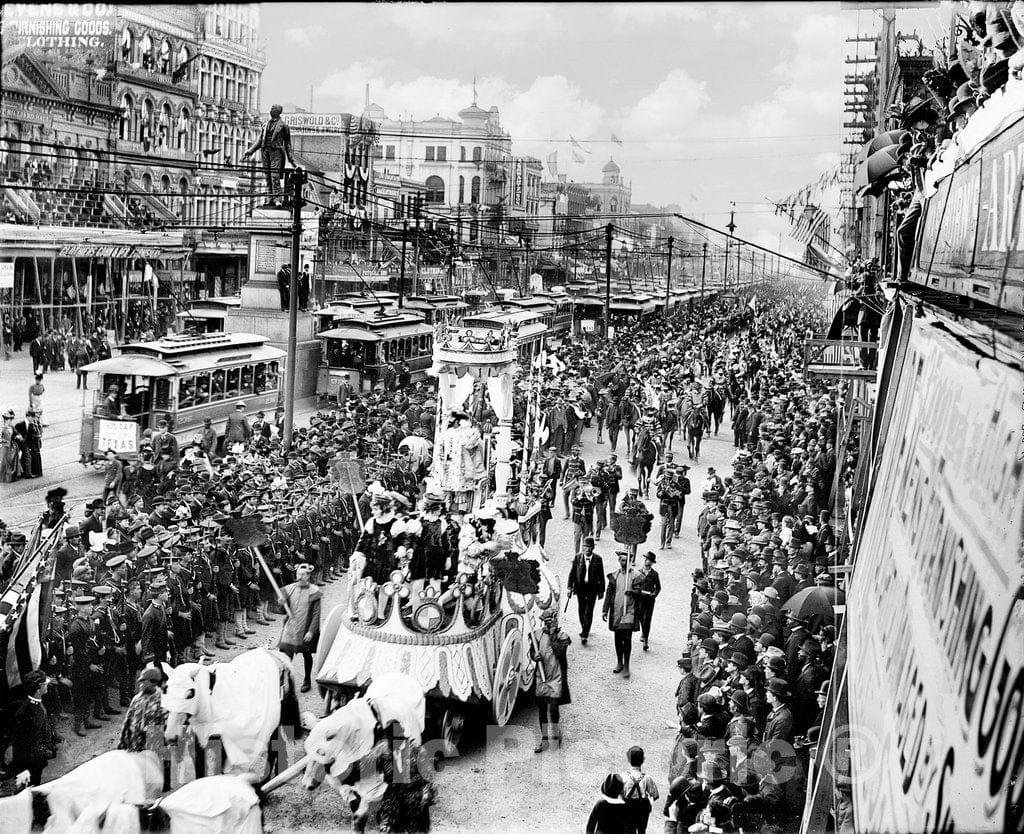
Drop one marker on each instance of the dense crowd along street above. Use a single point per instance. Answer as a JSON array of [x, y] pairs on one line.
[[407, 473]]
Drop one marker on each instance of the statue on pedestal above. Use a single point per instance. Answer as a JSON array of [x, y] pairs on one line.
[[275, 143]]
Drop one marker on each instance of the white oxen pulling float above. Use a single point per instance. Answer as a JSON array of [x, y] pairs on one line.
[[244, 703]]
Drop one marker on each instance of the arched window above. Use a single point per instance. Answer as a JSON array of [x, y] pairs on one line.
[[478, 154], [613, 204], [217, 71], [183, 56], [163, 61], [254, 87], [127, 45], [229, 82], [127, 117], [435, 190], [183, 207], [181, 129], [164, 126], [147, 183], [165, 185], [204, 77], [462, 183], [146, 125], [474, 190], [236, 144], [146, 51]]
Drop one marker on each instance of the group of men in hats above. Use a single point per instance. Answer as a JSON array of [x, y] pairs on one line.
[[755, 673]]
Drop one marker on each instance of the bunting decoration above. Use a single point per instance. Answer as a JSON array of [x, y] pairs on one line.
[[576, 145], [577, 157]]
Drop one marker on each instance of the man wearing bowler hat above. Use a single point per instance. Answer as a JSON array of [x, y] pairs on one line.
[[650, 587], [780, 720], [587, 582]]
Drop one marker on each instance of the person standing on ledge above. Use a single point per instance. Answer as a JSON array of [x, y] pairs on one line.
[[275, 142]]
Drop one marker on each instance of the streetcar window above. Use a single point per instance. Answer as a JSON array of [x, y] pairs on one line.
[[272, 376], [217, 386], [260, 384], [247, 379], [202, 388], [186, 392], [162, 394], [234, 375]]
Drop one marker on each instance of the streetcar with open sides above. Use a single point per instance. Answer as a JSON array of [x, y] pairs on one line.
[[183, 379], [358, 346]]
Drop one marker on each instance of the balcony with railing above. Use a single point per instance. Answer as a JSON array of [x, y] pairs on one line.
[[839, 358]]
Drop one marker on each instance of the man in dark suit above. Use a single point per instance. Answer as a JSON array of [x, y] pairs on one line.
[[155, 643], [586, 581], [798, 634], [345, 392], [780, 720], [650, 587], [275, 143], [782, 579]]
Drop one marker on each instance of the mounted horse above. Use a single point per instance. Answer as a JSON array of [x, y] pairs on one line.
[[244, 702], [631, 415], [694, 429], [645, 452], [716, 406]]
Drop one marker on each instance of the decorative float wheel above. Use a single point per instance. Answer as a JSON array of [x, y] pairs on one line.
[[505, 688]]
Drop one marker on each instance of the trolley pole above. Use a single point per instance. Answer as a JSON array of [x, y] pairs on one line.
[[296, 179], [703, 269], [401, 274], [668, 274], [608, 278]]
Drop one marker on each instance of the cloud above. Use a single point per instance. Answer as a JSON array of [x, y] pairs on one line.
[[652, 14], [668, 111], [304, 36], [517, 23]]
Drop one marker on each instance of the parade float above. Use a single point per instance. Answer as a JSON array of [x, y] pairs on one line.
[[459, 609]]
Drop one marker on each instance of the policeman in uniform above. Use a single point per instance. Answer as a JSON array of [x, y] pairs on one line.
[[86, 665], [106, 627]]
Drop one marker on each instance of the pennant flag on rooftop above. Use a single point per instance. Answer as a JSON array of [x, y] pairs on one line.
[[577, 145], [616, 139], [578, 157]]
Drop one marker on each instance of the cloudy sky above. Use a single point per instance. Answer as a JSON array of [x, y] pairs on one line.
[[713, 102]]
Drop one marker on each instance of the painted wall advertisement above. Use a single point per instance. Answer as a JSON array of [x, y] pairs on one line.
[[72, 30], [936, 608]]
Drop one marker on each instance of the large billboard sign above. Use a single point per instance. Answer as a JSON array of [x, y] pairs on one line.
[[73, 31], [936, 608]]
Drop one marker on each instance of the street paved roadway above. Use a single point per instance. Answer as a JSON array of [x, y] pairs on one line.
[[497, 783]]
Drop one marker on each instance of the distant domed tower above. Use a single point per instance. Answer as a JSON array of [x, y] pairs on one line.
[[610, 173]]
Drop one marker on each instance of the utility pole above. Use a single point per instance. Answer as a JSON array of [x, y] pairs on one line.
[[296, 179], [732, 228], [401, 274], [668, 276], [607, 278], [703, 269]]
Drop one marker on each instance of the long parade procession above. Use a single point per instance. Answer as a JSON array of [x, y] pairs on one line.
[[585, 517]]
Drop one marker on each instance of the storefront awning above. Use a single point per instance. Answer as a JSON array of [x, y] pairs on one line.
[[132, 365]]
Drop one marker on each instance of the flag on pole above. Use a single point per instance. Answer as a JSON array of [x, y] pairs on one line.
[[577, 145], [616, 139], [577, 157], [808, 223], [553, 163], [752, 304]]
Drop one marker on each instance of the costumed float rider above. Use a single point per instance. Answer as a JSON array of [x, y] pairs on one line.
[[432, 542], [462, 462], [380, 547]]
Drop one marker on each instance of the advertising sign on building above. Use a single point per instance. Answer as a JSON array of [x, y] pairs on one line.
[[7, 275], [72, 30], [518, 180], [315, 122], [120, 435], [935, 612]]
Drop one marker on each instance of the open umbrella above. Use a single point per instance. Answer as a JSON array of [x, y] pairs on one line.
[[815, 605]]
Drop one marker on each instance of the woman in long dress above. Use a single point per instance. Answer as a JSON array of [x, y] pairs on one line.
[[8, 451]]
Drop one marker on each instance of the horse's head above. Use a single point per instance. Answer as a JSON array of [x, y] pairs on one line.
[[314, 774], [180, 700]]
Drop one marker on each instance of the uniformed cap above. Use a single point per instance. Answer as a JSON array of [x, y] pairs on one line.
[[158, 584], [148, 551], [305, 566], [114, 561], [85, 599], [102, 590]]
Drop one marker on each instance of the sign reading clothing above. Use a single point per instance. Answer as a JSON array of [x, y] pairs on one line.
[[120, 435], [77, 30], [935, 614]]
